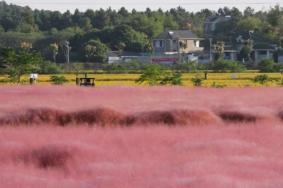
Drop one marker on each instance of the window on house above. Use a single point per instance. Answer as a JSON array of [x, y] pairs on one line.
[[158, 43], [227, 55], [262, 52], [196, 43]]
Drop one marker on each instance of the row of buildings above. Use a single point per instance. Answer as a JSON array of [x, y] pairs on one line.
[[173, 46]]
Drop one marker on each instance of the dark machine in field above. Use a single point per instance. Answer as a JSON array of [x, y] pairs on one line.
[[85, 81]]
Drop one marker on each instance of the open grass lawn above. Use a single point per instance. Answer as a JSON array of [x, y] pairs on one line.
[[214, 79], [140, 137]]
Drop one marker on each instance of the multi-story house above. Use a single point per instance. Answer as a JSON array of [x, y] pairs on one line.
[[176, 42]]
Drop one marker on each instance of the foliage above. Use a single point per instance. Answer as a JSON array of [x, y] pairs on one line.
[[266, 66], [58, 80], [125, 67], [18, 63], [262, 79], [48, 67], [278, 67], [171, 78], [227, 65], [95, 51], [123, 30], [190, 66], [155, 75], [250, 23], [54, 49], [197, 81], [219, 50], [245, 53]]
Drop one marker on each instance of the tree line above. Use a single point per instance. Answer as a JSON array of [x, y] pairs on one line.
[[93, 32]]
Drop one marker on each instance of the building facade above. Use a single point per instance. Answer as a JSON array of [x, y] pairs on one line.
[[176, 42]]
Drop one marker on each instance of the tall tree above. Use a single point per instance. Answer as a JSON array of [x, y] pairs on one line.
[[95, 51], [19, 63], [54, 49]]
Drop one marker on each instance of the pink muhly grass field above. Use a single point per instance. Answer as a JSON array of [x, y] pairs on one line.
[[114, 137]]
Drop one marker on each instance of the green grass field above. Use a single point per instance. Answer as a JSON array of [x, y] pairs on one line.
[[214, 79]]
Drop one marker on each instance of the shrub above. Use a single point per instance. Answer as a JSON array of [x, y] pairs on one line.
[[18, 63], [278, 67], [152, 75], [267, 65], [262, 79], [197, 81], [227, 65], [58, 80], [155, 75], [49, 68], [176, 78], [172, 78]]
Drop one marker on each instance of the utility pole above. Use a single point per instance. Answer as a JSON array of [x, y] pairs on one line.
[[210, 52]]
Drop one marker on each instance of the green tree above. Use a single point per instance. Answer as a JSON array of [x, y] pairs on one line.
[[248, 12], [19, 63], [152, 74], [273, 16], [249, 23], [219, 50], [54, 47], [245, 53], [95, 51], [134, 40], [85, 24]]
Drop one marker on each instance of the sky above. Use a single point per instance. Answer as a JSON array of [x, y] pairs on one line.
[[190, 5]]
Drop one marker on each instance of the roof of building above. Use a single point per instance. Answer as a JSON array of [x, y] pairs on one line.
[[177, 34], [113, 54], [230, 48], [131, 54], [257, 37], [218, 18], [125, 54]]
